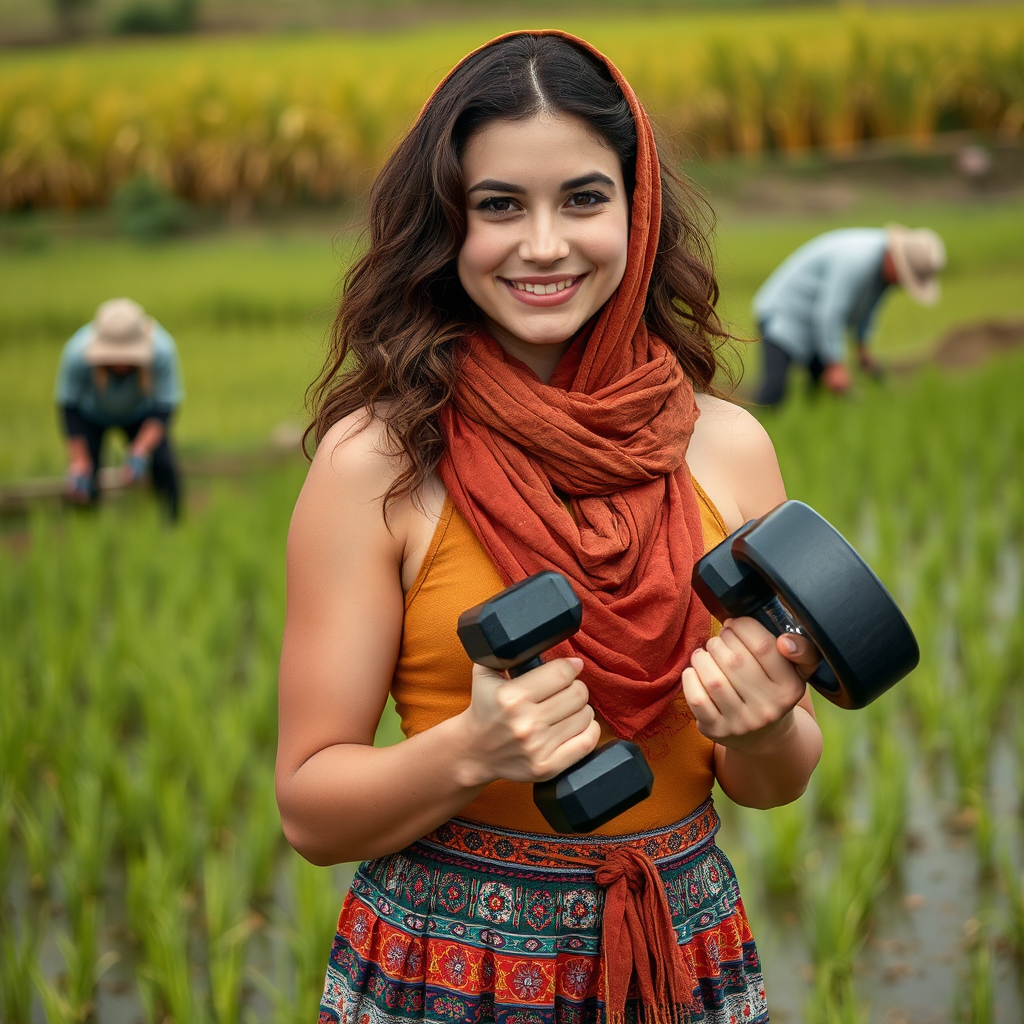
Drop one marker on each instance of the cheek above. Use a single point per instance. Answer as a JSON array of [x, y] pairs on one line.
[[608, 248], [480, 254]]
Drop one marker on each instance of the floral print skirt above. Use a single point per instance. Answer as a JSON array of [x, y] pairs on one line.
[[477, 924]]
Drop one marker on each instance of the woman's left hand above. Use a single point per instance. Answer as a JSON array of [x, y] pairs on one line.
[[744, 684]]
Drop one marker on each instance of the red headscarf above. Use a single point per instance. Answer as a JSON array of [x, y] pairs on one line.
[[609, 432]]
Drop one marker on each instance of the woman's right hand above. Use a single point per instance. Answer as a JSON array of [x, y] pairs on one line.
[[530, 728]]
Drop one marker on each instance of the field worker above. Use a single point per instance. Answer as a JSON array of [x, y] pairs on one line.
[[120, 370], [521, 378], [833, 285]]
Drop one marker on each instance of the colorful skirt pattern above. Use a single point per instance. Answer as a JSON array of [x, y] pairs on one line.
[[475, 924]]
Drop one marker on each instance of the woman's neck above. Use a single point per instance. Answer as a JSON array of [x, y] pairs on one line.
[[542, 359]]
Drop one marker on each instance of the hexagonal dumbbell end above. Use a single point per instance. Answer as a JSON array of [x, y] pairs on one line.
[[509, 631], [597, 788]]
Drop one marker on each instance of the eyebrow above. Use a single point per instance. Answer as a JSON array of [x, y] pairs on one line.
[[590, 178]]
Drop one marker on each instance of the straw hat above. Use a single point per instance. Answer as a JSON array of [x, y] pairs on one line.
[[122, 335], [918, 255]]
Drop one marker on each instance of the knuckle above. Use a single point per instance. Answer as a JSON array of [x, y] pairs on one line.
[[520, 730]]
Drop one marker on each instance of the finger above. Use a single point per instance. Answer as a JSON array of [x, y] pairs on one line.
[[800, 651], [553, 676], [572, 725], [700, 703], [572, 750], [716, 682], [762, 645], [563, 704]]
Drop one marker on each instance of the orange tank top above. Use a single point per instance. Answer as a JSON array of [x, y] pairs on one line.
[[433, 677]]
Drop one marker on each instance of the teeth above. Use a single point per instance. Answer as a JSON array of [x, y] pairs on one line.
[[543, 289]]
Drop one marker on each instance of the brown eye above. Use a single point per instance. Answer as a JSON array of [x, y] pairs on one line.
[[496, 204], [585, 199]]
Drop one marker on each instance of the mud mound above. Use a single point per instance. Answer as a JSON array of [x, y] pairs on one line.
[[968, 345]]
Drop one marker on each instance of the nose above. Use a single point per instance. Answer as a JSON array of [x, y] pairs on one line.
[[544, 241]]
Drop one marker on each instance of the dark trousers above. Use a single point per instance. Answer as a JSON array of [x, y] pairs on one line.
[[776, 369], [162, 466]]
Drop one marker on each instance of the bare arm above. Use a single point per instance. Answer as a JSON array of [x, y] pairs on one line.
[[340, 798], [150, 434], [79, 462], [747, 689]]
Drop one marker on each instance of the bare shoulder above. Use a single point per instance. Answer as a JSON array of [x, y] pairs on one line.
[[733, 459], [344, 489]]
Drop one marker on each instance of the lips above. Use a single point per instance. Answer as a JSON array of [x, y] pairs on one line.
[[541, 292]]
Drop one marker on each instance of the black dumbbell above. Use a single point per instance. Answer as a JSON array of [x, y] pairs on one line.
[[508, 633], [793, 572]]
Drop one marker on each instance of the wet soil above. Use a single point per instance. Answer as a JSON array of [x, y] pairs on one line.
[[967, 346]]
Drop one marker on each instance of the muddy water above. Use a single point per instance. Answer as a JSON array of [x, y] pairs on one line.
[[914, 966]]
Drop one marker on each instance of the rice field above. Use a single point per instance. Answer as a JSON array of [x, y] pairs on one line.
[[265, 121], [143, 871]]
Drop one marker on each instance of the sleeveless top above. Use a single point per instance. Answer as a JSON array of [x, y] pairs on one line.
[[432, 682]]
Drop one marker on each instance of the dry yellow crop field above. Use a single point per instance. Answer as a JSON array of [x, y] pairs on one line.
[[270, 119]]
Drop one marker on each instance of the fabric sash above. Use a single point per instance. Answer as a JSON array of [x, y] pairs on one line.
[[608, 434]]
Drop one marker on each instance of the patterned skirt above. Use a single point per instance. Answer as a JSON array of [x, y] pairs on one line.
[[476, 924]]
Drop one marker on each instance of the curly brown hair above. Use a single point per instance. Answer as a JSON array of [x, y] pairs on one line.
[[396, 338]]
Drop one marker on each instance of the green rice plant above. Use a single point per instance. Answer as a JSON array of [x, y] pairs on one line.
[[167, 961], [150, 878], [70, 997], [18, 952], [259, 832], [838, 905], [834, 1000], [222, 745], [90, 832], [37, 829], [976, 1000], [1012, 882], [229, 923], [830, 784], [888, 785], [780, 836], [181, 831], [309, 929], [7, 815]]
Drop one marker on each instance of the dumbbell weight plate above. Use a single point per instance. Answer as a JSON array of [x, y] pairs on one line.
[[834, 596]]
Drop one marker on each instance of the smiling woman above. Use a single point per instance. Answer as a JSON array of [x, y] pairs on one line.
[[545, 246], [521, 380]]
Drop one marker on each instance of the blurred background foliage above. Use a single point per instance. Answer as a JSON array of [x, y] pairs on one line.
[[210, 160], [262, 121]]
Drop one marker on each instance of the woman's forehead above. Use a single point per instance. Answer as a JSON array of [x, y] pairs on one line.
[[552, 148]]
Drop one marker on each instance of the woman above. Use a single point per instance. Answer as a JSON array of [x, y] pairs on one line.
[[521, 379]]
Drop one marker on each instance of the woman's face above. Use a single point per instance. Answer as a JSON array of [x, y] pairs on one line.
[[548, 228]]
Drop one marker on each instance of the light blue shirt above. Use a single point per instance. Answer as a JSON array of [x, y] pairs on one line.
[[122, 400], [830, 285]]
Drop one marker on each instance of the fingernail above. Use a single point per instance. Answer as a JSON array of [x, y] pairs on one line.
[[790, 644], [578, 662]]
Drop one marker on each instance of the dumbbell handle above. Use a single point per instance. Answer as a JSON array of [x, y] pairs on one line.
[[774, 617], [526, 666]]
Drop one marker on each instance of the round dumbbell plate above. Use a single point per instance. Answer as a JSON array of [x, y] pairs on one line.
[[835, 597]]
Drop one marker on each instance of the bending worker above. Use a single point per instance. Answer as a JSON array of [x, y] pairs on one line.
[[832, 285], [120, 370]]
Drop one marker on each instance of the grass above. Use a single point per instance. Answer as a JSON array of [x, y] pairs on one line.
[[249, 309]]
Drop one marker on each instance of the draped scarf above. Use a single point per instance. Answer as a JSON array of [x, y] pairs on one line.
[[607, 437]]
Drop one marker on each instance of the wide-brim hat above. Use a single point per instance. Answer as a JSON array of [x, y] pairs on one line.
[[122, 335], [918, 255]]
